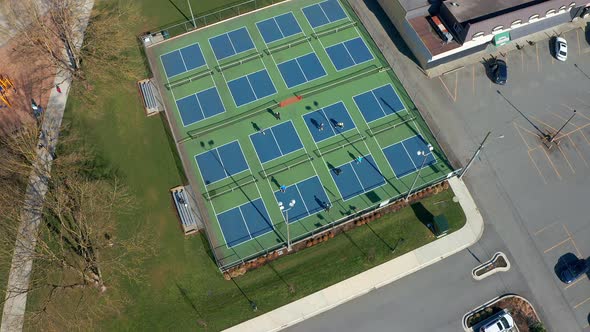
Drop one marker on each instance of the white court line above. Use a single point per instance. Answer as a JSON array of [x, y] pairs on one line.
[[302, 200], [278, 26], [244, 221]]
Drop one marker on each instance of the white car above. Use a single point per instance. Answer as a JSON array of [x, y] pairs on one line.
[[560, 49], [501, 323]]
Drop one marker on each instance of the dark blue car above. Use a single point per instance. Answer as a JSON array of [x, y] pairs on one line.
[[570, 268]]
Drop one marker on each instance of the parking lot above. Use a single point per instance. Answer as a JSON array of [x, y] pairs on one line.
[[559, 241], [548, 185], [540, 97]]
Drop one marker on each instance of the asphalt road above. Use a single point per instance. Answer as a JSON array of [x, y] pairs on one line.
[[535, 201]]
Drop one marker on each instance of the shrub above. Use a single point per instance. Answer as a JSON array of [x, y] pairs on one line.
[[537, 327]]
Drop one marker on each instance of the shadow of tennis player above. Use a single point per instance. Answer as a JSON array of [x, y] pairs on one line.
[[255, 126]]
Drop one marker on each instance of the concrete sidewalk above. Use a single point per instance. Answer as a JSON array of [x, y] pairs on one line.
[[376, 277]]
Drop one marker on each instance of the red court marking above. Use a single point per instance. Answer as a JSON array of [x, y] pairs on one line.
[[290, 101]]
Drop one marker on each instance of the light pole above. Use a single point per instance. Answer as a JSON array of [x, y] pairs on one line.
[[560, 129], [192, 16], [420, 153], [282, 208], [476, 153]]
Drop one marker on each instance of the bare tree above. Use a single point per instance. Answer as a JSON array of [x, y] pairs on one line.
[[78, 254], [52, 29]]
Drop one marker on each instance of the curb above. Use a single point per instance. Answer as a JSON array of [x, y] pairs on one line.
[[493, 271], [489, 303], [379, 276]]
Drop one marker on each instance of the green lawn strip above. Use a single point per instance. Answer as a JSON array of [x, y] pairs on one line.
[[220, 303]]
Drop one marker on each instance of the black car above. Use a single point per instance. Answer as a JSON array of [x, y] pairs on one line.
[[571, 269], [499, 72]]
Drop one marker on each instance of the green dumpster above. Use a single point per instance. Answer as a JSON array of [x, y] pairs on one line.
[[441, 225]]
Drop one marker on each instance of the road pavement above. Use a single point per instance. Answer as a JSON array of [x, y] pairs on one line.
[[534, 200]]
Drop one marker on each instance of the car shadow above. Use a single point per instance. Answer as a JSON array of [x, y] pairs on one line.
[[562, 262], [552, 41]]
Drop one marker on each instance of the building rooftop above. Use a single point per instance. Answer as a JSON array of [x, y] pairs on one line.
[[469, 11], [410, 5], [429, 37]]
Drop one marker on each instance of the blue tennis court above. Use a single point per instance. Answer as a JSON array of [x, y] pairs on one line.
[[221, 162], [303, 69], [231, 43], [309, 195], [323, 13], [250, 88], [276, 141], [244, 222], [403, 156], [357, 178], [278, 27], [349, 53], [183, 60], [378, 103], [324, 123], [201, 105]]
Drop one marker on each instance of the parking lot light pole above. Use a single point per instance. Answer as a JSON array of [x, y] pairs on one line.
[[286, 211], [420, 153], [474, 155], [560, 129]]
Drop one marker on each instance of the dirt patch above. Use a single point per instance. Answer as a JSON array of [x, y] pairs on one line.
[[32, 78], [499, 262], [520, 310]]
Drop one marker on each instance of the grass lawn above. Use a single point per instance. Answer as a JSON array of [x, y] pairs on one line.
[[182, 288]]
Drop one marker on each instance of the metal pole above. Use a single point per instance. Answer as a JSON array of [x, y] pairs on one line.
[[430, 149], [560, 129], [416, 178], [474, 155], [288, 233], [191, 10]]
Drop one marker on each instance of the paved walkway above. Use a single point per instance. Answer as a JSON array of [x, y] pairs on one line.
[[21, 267], [376, 277]]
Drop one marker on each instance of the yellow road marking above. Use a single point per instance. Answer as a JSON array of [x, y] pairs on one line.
[[578, 150], [546, 227], [566, 159], [446, 88], [579, 304], [586, 138], [521, 136], [552, 164], [537, 167], [573, 283], [557, 245], [563, 118], [573, 131], [574, 242], [543, 122]]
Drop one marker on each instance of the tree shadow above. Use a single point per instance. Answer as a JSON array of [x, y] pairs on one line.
[[172, 146], [425, 217], [187, 299], [186, 18], [207, 247]]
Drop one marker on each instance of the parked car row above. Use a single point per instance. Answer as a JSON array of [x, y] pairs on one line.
[[499, 69]]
